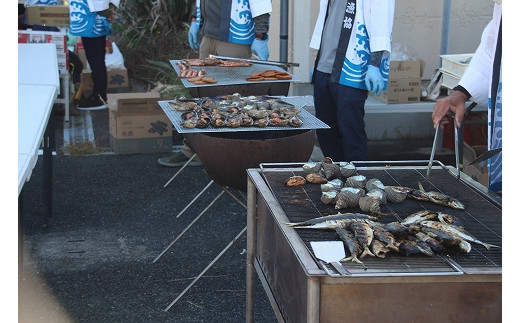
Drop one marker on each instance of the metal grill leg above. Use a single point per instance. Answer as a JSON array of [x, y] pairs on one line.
[[180, 170]]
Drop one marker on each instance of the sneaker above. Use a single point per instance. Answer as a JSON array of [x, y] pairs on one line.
[[92, 103], [179, 159]]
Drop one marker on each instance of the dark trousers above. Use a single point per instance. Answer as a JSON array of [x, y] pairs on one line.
[[342, 108], [95, 52]]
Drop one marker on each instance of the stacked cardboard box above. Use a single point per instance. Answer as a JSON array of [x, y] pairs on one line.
[[404, 82], [55, 37], [117, 81], [137, 124], [57, 15]]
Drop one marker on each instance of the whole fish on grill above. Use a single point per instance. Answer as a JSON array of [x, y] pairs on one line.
[[442, 199], [418, 217], [379, 248], [453, 231], [333, 217], [449, 219], [364, 234], [434, 244], [352, 244], [399, 230], [385, 236], [411, 246]]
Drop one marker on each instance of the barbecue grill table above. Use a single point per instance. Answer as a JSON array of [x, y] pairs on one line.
[[453, 287]]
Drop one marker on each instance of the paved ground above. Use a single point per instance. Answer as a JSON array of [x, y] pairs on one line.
[[93, 260]]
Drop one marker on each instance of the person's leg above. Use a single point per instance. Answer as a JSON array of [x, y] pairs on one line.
[[95, 52], [325, 105], [351, 113]]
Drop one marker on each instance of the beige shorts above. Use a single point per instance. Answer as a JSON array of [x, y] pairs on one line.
[[211, 46]]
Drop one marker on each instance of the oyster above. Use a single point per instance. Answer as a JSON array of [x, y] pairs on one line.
[[294, 121], [347, 169], [369, 204], [262, 122], [247, 121], [329, 197], [395, 194], [234, 121], [356, 181]]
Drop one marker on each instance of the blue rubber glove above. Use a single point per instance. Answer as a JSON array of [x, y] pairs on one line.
[[260, 49], [193, 35], [374, 80]]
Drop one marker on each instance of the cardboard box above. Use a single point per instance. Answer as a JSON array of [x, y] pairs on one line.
[[55, 37], [398, 90], [478, 171], [117, 81], [137, 124], [405, 69], [135, 103], [57, 15]]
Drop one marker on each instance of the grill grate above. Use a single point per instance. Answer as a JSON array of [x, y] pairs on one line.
[[231, 75], [482, 218], [309, 121]]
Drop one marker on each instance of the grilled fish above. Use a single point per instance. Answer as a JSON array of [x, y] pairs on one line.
[[449, 219], [442, 199], [418, 217], [408, 247], [454, 231], [385, 236], [379, 248], [352, 244], [399, 230], [333, 217], [434, 244], [364, 234]]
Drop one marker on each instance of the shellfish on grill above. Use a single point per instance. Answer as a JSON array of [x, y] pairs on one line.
[[370, 204], [330, 169], [348, 197], [356, 181], [395, 194], [311, 167], [347, 169], [374, 183], [329, 197], [334, 185], [379, 194]]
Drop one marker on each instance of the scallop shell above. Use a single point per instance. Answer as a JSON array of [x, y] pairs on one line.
[[369, 204], [347, 169], [394, 194], [356, 181], [374, 183], [329, 197], [379, 194]]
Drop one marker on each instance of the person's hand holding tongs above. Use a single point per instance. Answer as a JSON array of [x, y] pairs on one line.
[[456, 104]]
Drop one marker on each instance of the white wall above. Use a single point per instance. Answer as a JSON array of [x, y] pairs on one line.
[[417, 26]]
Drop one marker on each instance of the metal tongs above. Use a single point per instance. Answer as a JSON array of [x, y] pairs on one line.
[[433, 152], [256, 61]]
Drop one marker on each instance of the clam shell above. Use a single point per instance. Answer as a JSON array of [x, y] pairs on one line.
[[347, 169], [356, 181], [329, 197], [374, 183], [369, 204], [395, 195]]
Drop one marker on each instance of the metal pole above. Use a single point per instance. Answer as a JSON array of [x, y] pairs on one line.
[[284, 30], [445, 34]]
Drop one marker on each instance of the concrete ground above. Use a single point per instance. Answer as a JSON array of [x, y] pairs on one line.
[[93, 260]]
